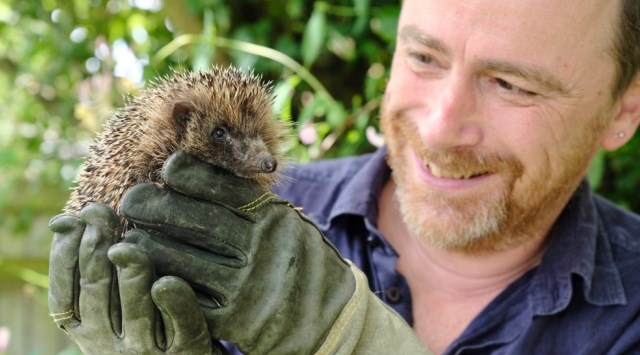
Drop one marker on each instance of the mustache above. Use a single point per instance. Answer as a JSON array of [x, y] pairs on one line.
[[465, 162], [458, 160]]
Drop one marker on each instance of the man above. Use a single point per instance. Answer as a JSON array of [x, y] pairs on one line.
[[482, 233]]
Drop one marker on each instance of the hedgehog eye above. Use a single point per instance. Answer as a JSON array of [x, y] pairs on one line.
[[219, 133]]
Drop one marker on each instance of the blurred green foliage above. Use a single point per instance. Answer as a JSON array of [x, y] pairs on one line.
[[65, 66]]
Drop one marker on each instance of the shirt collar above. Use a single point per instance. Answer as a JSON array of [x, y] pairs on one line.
[[361, 193], [579, 247]]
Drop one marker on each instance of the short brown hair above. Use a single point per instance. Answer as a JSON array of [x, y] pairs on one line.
[[627, 46]]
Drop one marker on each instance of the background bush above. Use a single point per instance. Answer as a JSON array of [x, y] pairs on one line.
[[65, 66]]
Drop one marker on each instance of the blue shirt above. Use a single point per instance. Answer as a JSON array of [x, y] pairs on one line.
[[584, 297]]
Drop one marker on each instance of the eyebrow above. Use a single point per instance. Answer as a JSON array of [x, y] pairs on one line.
[[548, 82], [413, 34]]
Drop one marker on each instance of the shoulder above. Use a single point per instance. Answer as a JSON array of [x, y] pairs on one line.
[[603, 247], [621, 226], [621, 230]]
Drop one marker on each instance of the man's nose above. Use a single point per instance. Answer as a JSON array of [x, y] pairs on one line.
[[451, 117]]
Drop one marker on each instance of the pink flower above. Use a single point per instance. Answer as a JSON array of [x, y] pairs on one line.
[[5, 335], [308, 133]]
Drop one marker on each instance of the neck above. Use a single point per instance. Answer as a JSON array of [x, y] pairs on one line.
[[453, 274]]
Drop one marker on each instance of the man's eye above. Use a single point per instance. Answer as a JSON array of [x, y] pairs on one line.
[[512, 89], [421, 58]]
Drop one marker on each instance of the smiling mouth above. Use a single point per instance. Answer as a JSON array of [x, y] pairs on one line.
[[439, 172]]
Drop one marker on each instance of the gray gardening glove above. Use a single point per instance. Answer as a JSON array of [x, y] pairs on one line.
[[84, 300], [268, 279]]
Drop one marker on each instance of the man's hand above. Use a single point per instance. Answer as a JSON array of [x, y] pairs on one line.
[[267, 278], [107, 315]]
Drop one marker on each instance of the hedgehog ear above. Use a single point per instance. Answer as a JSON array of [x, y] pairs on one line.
[[181, 114]]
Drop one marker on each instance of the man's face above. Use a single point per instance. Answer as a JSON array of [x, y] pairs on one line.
[[493, 112]]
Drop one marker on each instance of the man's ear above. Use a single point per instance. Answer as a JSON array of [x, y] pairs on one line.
[[181, 114], [626, 120]]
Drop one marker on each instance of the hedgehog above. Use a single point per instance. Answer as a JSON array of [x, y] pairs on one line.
[[221, 116]]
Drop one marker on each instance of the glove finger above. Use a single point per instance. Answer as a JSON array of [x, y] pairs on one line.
[[201, 269], [187, 220], [184, 322], [135, 278], [63, 273], [98, 307], [193, 177]]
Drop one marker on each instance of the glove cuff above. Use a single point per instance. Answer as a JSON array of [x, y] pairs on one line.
[[366, 326]]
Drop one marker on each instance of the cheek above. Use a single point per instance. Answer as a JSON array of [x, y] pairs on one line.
[[553, 148], [196, 144], [529, 133], [527, 142], [405, 88], [403, 98]]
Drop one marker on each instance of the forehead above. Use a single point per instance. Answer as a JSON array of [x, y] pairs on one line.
[[543, 17], [521, 27]]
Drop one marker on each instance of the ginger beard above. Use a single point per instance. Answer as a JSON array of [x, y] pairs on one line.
[[488, 220]]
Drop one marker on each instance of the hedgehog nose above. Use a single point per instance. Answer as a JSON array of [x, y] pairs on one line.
[[269, 165]]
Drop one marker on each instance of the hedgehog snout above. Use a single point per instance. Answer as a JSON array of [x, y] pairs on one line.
[[269, 164]]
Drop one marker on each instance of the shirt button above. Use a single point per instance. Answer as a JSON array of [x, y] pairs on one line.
[[394, 295], [372, 241]]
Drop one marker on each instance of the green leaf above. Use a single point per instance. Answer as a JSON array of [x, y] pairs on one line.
[[206, 48], [283, 94], [385, 23], [8, 157], [362, 13], [336, 115], [314, 36]]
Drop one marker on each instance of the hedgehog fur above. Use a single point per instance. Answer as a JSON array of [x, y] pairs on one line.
[[221, 116]]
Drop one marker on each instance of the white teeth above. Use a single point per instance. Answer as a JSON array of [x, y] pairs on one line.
[[437, 172]]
